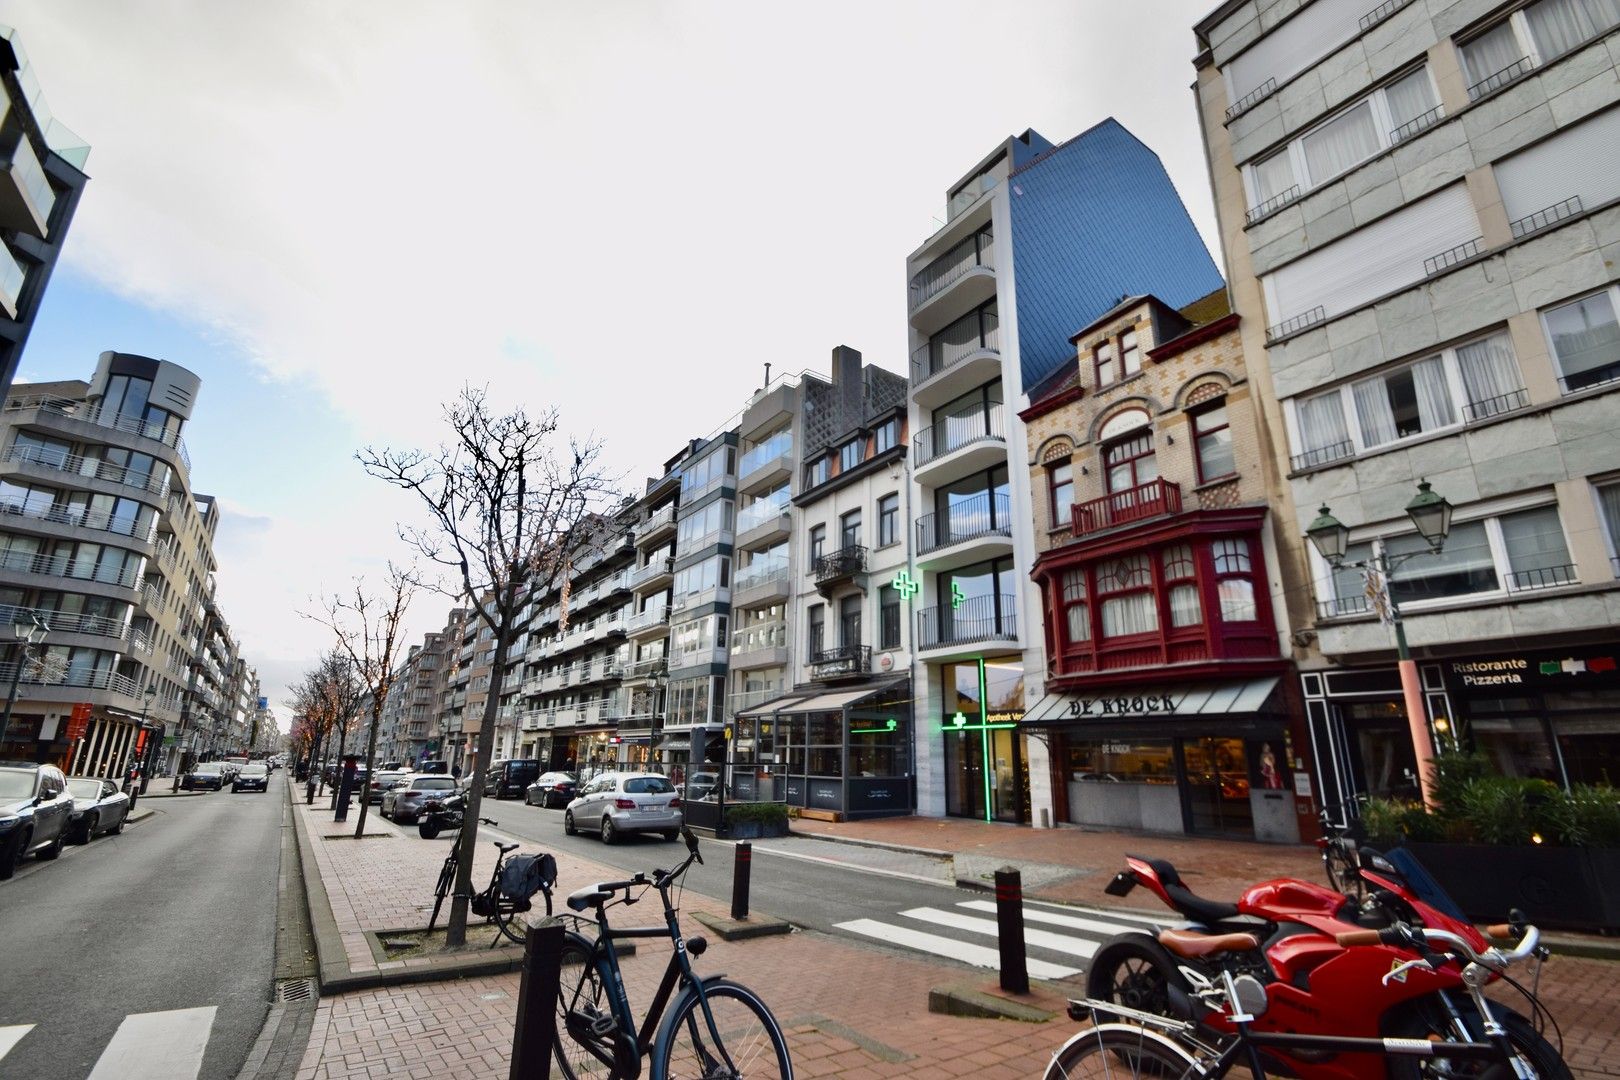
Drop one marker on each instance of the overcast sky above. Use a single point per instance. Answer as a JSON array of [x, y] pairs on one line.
[[337, 213]]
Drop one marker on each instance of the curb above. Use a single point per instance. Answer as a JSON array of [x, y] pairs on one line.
[[729, 929], [880, 845], [1592, 948], [973, 1000], [136, 816]]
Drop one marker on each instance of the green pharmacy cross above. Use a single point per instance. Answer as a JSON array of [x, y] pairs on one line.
[[888, 725], [905, 586], [958, 598]]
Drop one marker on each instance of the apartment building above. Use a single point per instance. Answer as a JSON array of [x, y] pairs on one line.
[[1420, 209], [40, 187], [1170, 703], [1040, 240], [107, 554], [446, 744]]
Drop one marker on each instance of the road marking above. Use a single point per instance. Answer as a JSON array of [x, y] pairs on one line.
[[1073, 922], [11, 1036], [157, 1046], [1043, 939], [977, 955], [857, 868]]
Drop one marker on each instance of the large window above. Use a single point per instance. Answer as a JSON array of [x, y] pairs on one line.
[[696, 641], [971, 418], [1129, 462], [1212, 435], [712, 573], [849, 529], [707, 471], [886, 435], [849, 619], [888, 509], [976, 505], [1472, 381], [1060, 493], [704, 527], [691, 701], [888, 617], [1125, 592], [1585, 340], [815, 629], [1530, 37]]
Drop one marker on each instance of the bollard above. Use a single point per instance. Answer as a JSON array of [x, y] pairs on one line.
[[739, 879], [535, 1032], [1010, 930]]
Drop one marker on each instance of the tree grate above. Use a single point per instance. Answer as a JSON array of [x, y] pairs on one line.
[[295, 990]]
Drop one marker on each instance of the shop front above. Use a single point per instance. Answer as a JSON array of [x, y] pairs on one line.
[[985, 746], [1209, 759]]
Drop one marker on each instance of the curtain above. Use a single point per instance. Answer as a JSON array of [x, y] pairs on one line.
[[1184, 610], [1272, 177], [1132, 614], [1488, 373], [1609, 504], [1373, 412], [1495, 51], [1535, 542], [1557, 26], [1079, 623], [1342, 142], [1410, 98], [1433, 396], [1321, 422]]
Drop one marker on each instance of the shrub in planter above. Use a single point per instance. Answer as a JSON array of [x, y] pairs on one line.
[[749, 819]]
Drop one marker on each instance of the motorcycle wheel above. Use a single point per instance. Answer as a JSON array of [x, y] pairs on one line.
[[428, 828], [1429, 1021], [1135, 971]]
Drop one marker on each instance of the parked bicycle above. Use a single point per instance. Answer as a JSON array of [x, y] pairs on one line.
[[1484, 1041], [1340, 847], [513, 884], [715, 1028]]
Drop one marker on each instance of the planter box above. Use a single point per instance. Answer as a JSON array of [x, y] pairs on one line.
[[755, 830], [1569, 888]]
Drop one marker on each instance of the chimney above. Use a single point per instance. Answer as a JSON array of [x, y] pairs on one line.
[[846, 377]]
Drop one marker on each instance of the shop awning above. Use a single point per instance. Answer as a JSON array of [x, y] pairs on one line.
[[1230, 697], [673, 743], [830, 702], [802, 701], [765, 708]]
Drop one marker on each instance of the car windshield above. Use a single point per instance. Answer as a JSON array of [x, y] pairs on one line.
[[648, 785], [206, 770], [434, 783], [16, 783], [255, 770], [85, 789]]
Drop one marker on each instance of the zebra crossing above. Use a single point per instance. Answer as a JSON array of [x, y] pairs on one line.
[[166, 1045], [1057, 939]]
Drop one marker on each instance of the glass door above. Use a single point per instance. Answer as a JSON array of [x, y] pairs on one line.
[[1217, 786]]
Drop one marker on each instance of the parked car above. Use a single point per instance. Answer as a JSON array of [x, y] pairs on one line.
[[208, 774], [509, 779], [403, 801], [255, 776], [613, 804], [35, 812], [551, 790], [700, 785], [441, 768], [98, 807], [386, 778]]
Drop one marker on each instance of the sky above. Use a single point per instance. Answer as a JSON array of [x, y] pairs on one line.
[[338, 214]]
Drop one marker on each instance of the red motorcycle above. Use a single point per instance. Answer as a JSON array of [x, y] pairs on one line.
[[1313, 983]]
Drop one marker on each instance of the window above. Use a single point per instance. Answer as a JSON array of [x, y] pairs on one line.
[[1212, 438], [1130, 462], [888, 617], [1130, 356], [1234, 581], [1060, 487], [712, 573], [889, 519], [816, 629], [1296, 43], [1608, 498], [1076, 612], [818, 542], [818, 472], [707, 471], [1106, 361], [849, 620], [37, 448], [704, 527], [886, 435], [849, 455], [1472, 381], [849, 529], [1125, 587], [1537, 555], [971, 418], [1181, 586], [1530, 37], [1585, 340], [1577, 169]]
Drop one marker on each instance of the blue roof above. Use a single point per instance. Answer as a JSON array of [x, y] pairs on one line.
[[1093, 220]]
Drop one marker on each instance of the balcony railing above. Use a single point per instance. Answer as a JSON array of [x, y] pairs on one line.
[[976, 251], [1545, 217], [91, 413], [766, 452], [651, 617], [759, 636], [970, 519], [659, 519], [43, 457], [63, 622], [1541, 577], [641, 669], [976, 425], [1583, 380], [760, 511], [1324, 455], [747, 699], [1519, 67], [23, 562], [651, 572], [844, 563], [975, 332], [1495, 406], [77, 678], [1152, 499], [98, 520], [841, 662], [981, 618]]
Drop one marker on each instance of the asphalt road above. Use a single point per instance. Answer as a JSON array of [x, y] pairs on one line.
[[179, 912]]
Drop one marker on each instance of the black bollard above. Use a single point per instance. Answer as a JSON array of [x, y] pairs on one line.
[[739, 879], [538, 989], [1010, 930]]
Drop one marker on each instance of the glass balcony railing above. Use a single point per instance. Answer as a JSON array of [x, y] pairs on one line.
[[759, 572], [771, 635], [763, 510], [766, 452], [12, 277], [31, 177], [63, 142]]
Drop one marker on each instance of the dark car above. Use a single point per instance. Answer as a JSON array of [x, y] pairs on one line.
[[255, 776], [552, 789], [35, 812], [509, 779], [209, 774], [98, 807]]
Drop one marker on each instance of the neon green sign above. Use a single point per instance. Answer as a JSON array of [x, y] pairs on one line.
[[958, 598], [905, 586], [888, 725]]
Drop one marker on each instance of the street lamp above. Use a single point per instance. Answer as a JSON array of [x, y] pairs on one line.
[[1431, 514], [28, 634]]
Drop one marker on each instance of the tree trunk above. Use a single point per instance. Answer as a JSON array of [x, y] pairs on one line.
[[456, 931], [371, 752], [313, 768]]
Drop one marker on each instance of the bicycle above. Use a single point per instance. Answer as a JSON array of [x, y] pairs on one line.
[[1129, 1044], [494, 904], [1340, 845], [715, 1028]]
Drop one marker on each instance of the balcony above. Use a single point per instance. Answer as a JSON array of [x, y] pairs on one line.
[[652, 622], [984, 518], [646, 668], [88, 413], [26, 195], [95, 520], [759, 645], [62, 622], [763, 521], [660, 524], [12, 278], [841, 662], [963, 277], [75, 678], [843, 568], [65, 566], [965, 354], [44, 459], [761, 582], [974, 621], [657, 573], [1156, 498], [970, 441], [766, 465]]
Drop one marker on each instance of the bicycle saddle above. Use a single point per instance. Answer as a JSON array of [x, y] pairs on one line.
[[588, 897], [505, 847]]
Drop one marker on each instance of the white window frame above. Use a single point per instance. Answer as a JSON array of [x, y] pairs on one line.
[[1455, 386], [1295, 147], [1610, 539], [1613, 293], [1489, 516]]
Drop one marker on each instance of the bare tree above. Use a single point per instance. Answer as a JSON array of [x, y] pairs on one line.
[[328, 696], [369, 631], [508, 511]]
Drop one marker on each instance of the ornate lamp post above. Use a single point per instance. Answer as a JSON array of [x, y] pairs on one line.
[[1431, 514], [28, 634]]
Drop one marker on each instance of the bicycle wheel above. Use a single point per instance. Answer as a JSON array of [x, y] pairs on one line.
[[1121, 1052], [1430, 1023], [513, 922], [1342, 873], [750, 1040], [583, 999]]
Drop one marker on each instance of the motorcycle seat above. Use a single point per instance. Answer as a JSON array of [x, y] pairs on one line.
[[1187, 902], [504, 847], [1191, 945]]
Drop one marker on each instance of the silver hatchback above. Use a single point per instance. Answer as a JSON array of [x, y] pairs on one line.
[[616, 803]]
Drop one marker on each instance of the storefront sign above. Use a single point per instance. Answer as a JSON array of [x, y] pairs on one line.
[[1135, 705], [1546, 670]]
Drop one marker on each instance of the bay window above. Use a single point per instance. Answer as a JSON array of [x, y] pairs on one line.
[[1076, 612], [1234, 580], [1125, 589], [1181, 587], [1585, 340]]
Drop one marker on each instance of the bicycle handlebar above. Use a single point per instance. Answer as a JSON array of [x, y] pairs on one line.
[[1420, 940]]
